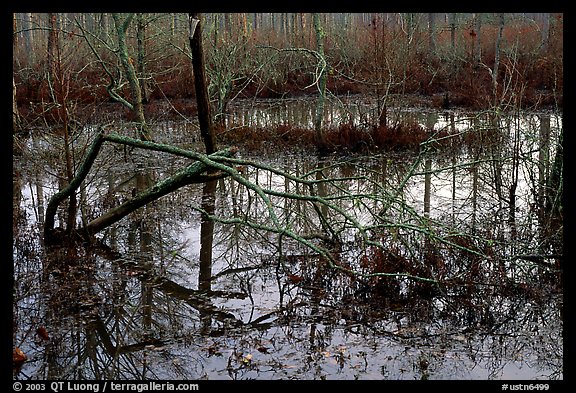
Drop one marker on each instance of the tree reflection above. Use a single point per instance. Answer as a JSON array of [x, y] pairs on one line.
[[404, 267], [206, 241]]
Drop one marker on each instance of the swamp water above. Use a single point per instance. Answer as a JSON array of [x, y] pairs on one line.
[[395, 265]]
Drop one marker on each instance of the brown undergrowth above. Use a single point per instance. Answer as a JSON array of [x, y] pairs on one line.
[[346, 138]]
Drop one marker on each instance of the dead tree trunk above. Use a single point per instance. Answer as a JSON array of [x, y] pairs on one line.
[[202, 99]]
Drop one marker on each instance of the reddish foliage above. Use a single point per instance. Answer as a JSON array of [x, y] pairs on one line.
[[375, 52], [43, 333], [18, 359]]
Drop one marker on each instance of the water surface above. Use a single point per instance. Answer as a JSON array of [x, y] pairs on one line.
[[431, 264]]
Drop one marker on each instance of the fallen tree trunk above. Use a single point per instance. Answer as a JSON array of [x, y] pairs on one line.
[[189, 175], [194, 173]]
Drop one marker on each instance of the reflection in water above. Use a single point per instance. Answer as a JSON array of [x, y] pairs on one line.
[[206, 241], [456, 271]]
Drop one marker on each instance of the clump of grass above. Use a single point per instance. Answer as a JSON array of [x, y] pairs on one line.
[[256, 138], [404, 135], [344, 138]]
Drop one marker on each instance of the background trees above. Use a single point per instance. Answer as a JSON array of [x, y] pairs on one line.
[[382, 53]]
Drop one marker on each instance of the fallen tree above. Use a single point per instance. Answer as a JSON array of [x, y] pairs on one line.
[[193, 173], [378, 233]]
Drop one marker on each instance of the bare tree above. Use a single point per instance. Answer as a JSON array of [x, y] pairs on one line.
[[452, 22], [122, 25], [58, 82], [497, 53], [545, 34], [15, 113], [52, 46], [477, 48], [16, 121], [432, 32], [141, 68], [322, 77]]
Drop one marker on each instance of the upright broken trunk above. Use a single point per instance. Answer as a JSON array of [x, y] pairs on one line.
[[202, 99]]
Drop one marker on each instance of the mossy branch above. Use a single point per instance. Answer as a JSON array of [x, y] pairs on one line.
[[194, 173]]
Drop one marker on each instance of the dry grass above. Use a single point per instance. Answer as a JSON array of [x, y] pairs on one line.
[[345, 138]]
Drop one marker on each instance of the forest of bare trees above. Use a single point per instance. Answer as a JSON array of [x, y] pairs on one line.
[[473, 60]]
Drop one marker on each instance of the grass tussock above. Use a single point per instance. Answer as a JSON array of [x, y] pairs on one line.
[[346, 138]]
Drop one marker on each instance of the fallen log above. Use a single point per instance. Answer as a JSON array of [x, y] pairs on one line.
[[193, 173]]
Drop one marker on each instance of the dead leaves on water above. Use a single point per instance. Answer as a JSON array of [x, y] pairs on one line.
[[18, 359]]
